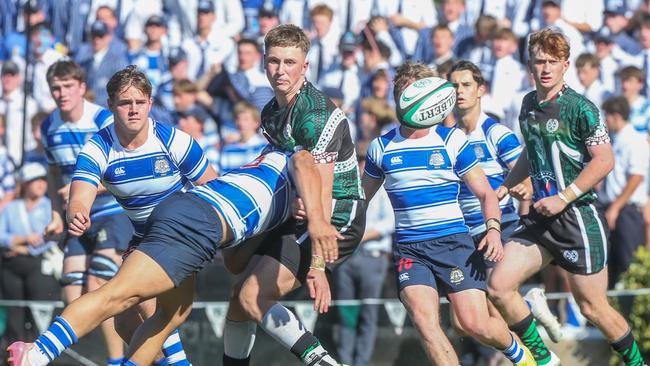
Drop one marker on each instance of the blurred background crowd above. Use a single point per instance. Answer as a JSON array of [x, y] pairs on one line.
[[204, 59]]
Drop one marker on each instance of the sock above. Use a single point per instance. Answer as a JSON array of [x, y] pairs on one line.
[[161, 362], [238, 341], [628, 349], [527, 331], [49, 345], [128, 363], [173, 350], [284, 327], [514, 352], [114, 361]]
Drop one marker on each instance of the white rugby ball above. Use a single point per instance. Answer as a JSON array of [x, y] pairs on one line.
[[426, 102]]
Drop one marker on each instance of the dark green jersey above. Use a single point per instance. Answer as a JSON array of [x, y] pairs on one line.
[[557, 133], [312, 122]]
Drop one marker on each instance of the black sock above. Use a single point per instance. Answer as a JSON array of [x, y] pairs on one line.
[[229, 361], [628, 349], [527, 332]]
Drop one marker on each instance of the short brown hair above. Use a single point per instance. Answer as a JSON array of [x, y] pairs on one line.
[[631, 72], [549, 41], [463, 65], [128, 76], [587, 58], [246, 107], [487, 25], [505, 33], [287, 35], [442, 27], [617, 105], [322, 9], [407, 73], [184, 86], [64, 70]]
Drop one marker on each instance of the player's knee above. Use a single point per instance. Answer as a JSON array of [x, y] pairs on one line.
[[591, 310], [248, 299], [474, 327], [74, 278], [103, 267]]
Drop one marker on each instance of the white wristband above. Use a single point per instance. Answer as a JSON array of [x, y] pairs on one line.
[[576, 190], [563, 198]]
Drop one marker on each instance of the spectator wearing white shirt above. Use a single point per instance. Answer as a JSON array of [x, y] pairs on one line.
[[152, 58], [211, 46], [344, 73], [324, 45], [11, 106], [588, 67], [585, 15], [410, 17], [611, 58], [442, 40], [552, 15], [631, 79], [457, 19], [508, 75], [625, 188], [478, 49]]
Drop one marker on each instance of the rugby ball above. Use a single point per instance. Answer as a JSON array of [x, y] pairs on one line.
[[426, 102]]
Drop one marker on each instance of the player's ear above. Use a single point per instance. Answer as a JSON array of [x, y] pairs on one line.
[[482, 89]]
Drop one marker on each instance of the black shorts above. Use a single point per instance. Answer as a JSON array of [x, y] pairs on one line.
[[576, 238], [290, 245], [182, 235]]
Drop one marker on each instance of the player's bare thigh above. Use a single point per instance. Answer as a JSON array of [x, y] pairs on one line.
[[520, 261]]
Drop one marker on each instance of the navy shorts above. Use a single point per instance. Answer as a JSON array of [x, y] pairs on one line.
[[507, 229], [449, 264], [106, 232], [182, 235]]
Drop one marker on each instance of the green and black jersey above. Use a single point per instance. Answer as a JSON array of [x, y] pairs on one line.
[[557, 133], [312, 122]]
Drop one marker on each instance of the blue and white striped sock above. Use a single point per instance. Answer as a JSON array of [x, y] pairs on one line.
[[514, 352], [161, 362], [127, 362], [114, 361], [57, 338], [173, 350]]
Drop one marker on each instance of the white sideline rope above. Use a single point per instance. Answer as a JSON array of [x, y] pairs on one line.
[[204, 304]]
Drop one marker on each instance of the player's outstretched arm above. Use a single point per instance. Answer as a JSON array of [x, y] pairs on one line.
[[82, 196], [370, 186], [310, 187], [517, 175], [477, 183]]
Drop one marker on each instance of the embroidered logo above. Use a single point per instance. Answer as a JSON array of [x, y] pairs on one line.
[[456, 276], [478, 151], [552, 125], [404, 277], [161, 166], [396, 160], [436, 159], [119, 171], [570, 255]]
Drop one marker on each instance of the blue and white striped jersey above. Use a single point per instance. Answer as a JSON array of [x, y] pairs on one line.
[[143, 177], [253, 198], [236, 154], [422, 178], [63, 141], [495, 146]]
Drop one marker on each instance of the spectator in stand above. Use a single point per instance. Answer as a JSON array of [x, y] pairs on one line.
[[375, 58], [268, 19], [643, 60], [588, 67], [478, 49], [251, 142], [631, 79], [103, 59], [192, 121], [457, 20], [45, 52], [211, 45], [625, 189], [37, 155], [616, 25], [584, 15], [163, 98], [249, 82], [324, 45], [11, 106], [7, 167], [151, 58], [343, 74], [380, 30], [442, 40], [362, 276], [186, 99], [508, 75], [23, 275], [611, 59]]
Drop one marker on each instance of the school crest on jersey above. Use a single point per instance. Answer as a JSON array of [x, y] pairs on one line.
[[456, 276], [552, 125], [161, 167], [436, 159], [478, 151]]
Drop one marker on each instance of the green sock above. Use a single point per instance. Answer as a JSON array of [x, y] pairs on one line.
[[628, 349], [527, 331]]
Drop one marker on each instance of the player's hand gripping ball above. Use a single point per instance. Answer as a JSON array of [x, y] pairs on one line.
[[426, 102]]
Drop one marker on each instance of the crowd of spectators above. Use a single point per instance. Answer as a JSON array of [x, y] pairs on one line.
[[204, 60]]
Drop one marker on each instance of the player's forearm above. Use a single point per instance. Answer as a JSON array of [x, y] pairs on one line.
[[54, 183], [519, 172], [308, 184], [326, 178], [490, 205], [595, 171]]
